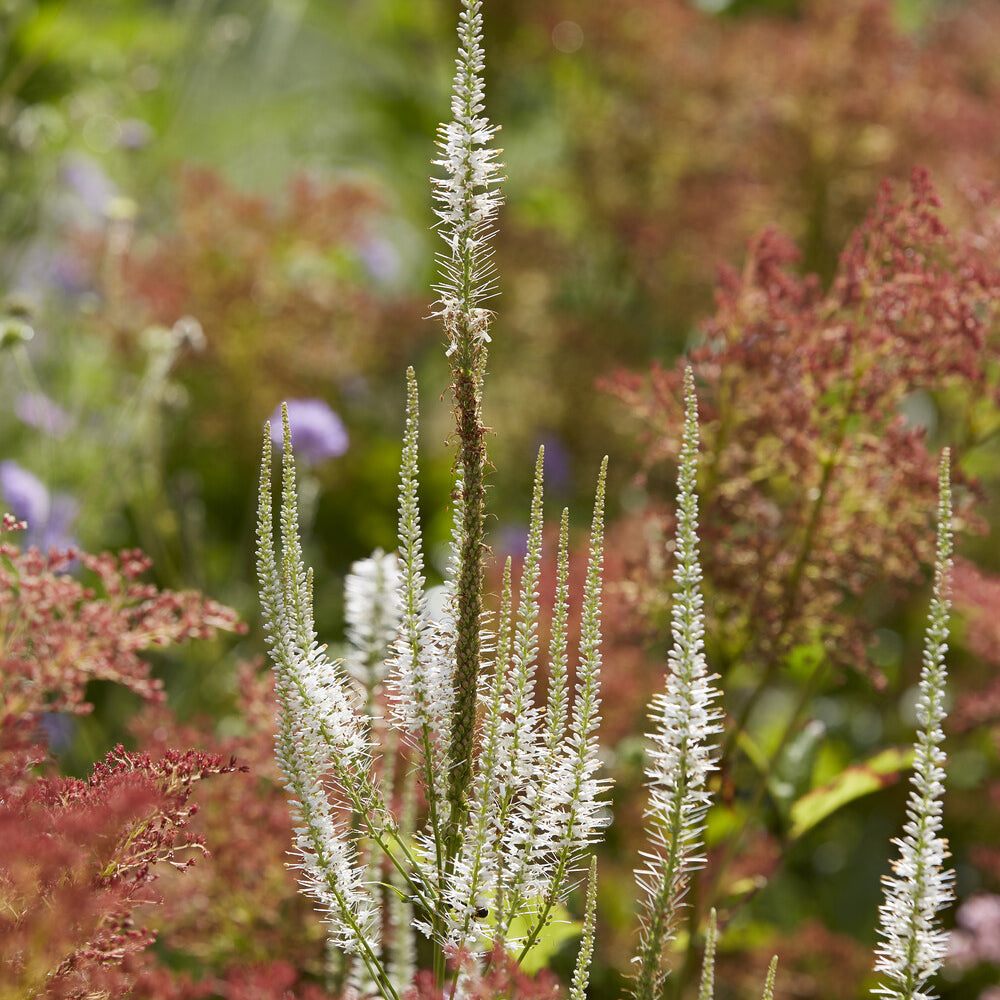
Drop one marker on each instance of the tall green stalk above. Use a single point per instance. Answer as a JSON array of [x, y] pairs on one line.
[[467, 204]]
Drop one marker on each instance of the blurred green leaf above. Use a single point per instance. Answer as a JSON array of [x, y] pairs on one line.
[[850, 784], [723, 822], [802, 661], [558, 929]]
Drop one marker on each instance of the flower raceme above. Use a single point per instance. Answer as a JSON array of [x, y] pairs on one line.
[[913, 944], [534, 805], [467, 198], [687, 719]]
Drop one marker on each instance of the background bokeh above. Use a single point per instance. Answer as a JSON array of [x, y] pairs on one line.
[[211, 206]]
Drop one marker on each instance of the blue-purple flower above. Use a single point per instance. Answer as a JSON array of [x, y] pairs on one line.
[[317, 432], [36, 410], [49, 517], [558, 464], [90, 191]]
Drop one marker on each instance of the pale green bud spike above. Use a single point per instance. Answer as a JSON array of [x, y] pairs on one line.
[[410, 544], [525, 644], [494, 793], [706, 991], [504, 632], [267, 569], [581, 973], [557, 706], [298, 607], [772, 971], [588, 676], [914, 945], [526, 647]]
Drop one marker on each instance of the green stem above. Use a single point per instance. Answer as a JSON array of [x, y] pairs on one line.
[[663, 910], [469, 601]]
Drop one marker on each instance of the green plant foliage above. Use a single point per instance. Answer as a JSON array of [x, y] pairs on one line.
[[852, 783]]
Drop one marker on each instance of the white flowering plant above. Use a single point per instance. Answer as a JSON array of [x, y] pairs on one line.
[[437, 705], [443, 807]]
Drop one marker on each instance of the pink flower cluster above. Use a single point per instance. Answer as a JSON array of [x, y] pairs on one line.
[[61, 629], [820, 481], [79, 855]]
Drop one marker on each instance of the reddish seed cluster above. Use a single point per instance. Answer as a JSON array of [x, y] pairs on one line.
[[502, 977], [79, 857], [697, 142], [274, 980], [68, 617], [247, 899], [977, 596], [816, 484]]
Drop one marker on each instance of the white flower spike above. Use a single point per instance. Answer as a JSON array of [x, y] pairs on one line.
[[686, 720], [913, 944]]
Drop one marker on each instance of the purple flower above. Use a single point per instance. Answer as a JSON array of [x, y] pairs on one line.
[[317, 432], [27, 496], [49, 517], [512, 540], [90, 188], [558, 464], [977, 936], [135, 133], [36, 410]]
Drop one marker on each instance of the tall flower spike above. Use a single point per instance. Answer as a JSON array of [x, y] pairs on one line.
[[322, 746], [706, 991], [772, 971], [467, 203], [581, 973], [557, 702], [913, 944], [468, 197], [419, 676], [686, 719]]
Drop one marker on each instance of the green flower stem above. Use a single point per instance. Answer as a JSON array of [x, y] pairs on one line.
[[469, 600]]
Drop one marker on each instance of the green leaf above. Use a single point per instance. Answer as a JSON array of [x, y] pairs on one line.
[[802, 661], [853, 782], [558, 929], [754, 751]]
